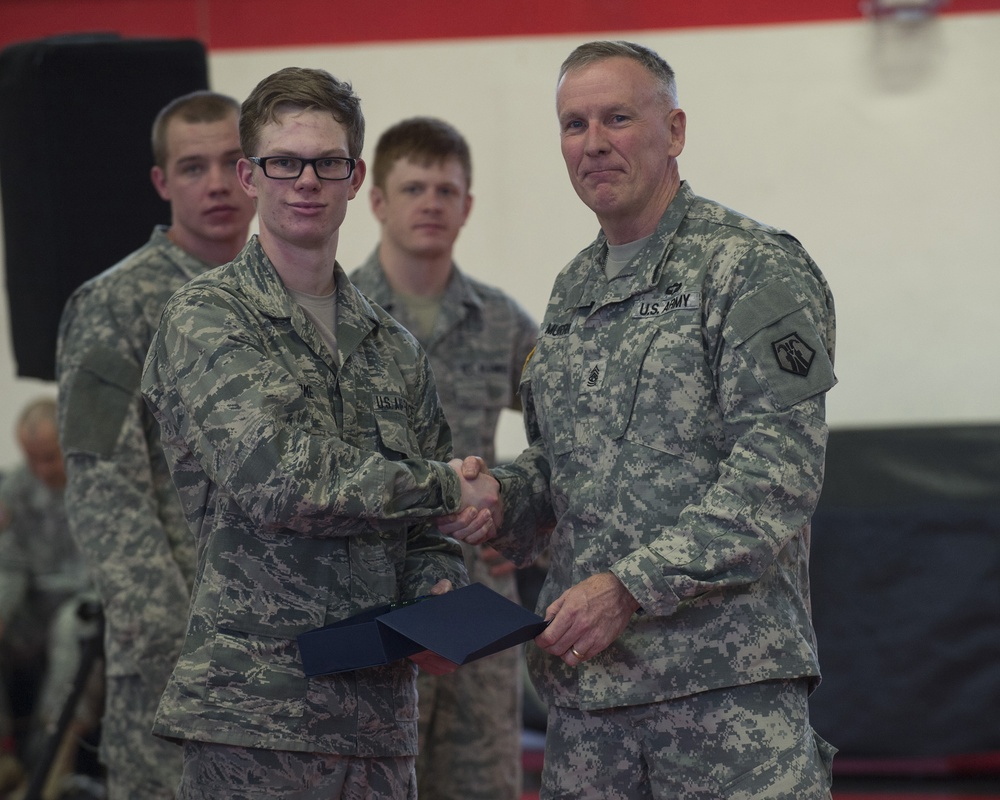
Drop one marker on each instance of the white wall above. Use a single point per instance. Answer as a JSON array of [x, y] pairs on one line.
[[876, 145]]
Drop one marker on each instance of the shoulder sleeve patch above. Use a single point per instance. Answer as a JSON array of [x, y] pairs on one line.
[[781, 343], [104, 386], [764, 307]]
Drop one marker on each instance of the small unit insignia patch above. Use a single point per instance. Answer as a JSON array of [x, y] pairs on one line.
[[793, 355]]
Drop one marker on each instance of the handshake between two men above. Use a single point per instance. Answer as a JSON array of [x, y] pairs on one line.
[[476, 522], [583, 621], [481, 514]]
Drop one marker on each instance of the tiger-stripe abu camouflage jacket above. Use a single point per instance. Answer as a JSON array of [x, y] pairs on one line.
[[306, 480]]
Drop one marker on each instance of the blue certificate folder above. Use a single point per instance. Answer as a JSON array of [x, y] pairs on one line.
[[461, 625]]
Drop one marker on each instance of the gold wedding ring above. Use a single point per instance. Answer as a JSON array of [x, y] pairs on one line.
[[574, 651]]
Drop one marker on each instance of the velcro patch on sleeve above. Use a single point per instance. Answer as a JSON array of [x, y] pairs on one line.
[[781, 343], [104, 386]]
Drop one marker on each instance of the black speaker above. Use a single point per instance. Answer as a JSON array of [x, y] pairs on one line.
[[75, 119]]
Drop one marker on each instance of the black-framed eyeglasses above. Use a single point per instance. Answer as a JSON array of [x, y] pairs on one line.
[[286, 168]]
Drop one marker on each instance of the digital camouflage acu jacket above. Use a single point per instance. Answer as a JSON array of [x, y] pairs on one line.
[[122, 506], [677, 439]]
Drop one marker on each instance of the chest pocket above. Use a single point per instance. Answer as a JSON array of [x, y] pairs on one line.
[[667, 391], [396, 439], [391, 407], [547, 385], [376, 405], [482, 385]]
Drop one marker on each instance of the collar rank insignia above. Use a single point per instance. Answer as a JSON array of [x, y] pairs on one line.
[[793, 354]]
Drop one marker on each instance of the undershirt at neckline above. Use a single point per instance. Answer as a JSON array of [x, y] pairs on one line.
[[621, 255], [322, 312]]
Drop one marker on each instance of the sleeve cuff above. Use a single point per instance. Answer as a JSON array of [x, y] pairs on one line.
[[636, 572]]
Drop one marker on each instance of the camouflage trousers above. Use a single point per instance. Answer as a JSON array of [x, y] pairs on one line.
[[215, 771], [140, 766], [742, 743], [470, 730], [470, 721]]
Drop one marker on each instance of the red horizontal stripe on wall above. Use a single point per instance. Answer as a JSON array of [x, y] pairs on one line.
[[229, 24]]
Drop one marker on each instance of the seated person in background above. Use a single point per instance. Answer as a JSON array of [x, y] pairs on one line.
[[42, 575]]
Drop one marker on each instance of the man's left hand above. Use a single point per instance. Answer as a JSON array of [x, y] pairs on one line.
[[587, 618]]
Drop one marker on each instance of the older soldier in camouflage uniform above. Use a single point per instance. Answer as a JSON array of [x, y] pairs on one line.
[[477, 339], [305, 437], [122, 505], [675, 409], [42, 576]]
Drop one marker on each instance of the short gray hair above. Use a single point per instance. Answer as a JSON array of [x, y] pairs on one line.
[[40, 411], [653, 62]]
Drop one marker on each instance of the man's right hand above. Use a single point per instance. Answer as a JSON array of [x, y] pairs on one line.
[[481, 513]]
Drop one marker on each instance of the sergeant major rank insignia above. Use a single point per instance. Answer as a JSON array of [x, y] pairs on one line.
[[793, 355], [593, 377]]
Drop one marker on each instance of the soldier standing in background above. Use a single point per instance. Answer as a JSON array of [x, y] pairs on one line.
[[122, 505], [477, 339]]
